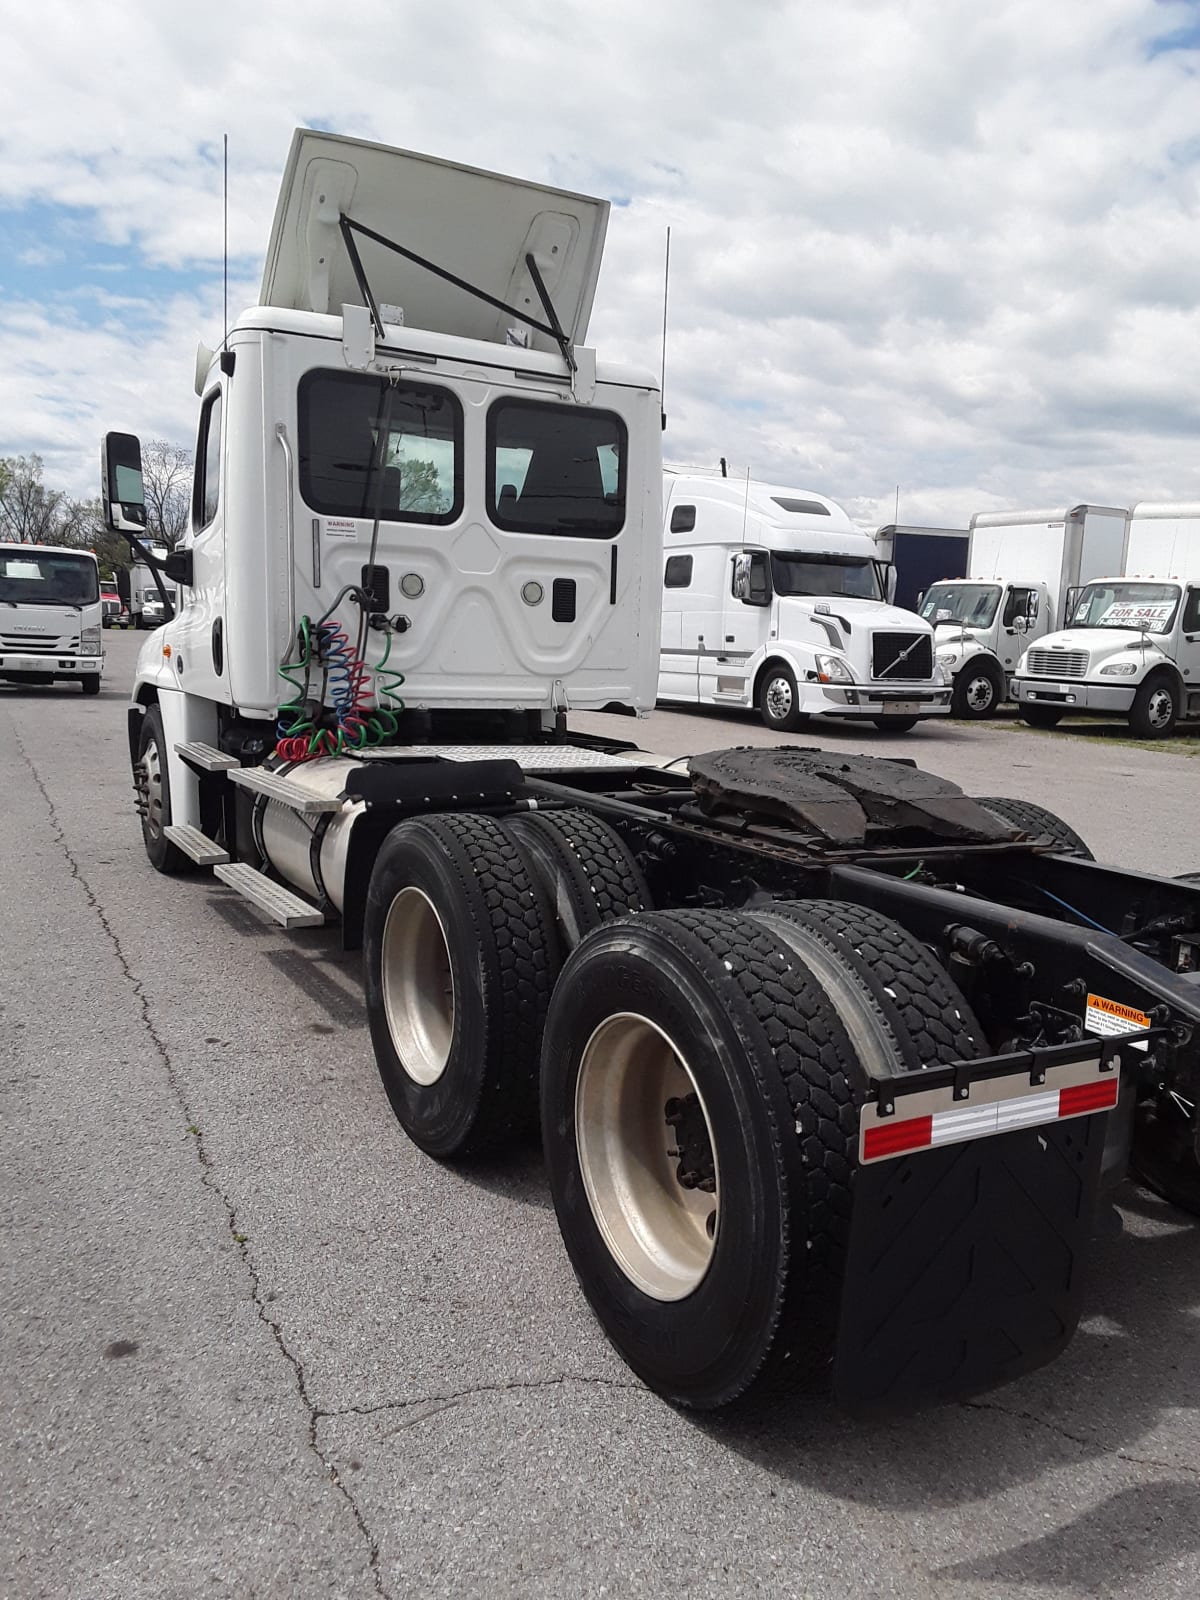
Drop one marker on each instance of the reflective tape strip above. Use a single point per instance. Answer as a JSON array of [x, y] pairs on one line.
[[883, 1138]]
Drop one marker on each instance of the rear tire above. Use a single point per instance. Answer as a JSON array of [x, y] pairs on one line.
[[978, 691], [895, 724], [779, 699], [1039, 716], [460, 957], [1155, 709], [583, 868], [1038, 822], [153, 783], [90, 683]]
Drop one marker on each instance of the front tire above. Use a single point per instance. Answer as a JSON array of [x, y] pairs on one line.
[[779, 699], [90, 683], [978, 691], [1155, 709], [152, 782], [460, 958]]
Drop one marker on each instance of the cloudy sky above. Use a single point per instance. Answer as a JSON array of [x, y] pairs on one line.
[[950, 245]]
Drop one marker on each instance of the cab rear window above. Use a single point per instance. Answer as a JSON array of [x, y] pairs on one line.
[[556, 469]]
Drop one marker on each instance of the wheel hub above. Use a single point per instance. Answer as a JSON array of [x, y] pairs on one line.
[[980, 693], [418, 986], [1159, 708], [646, 1156], [779, 698]]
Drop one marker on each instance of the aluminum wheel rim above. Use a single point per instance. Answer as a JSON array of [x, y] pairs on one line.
[[418, 986], [1159, 708], [980, 692], [660, 1234], [779, 698]]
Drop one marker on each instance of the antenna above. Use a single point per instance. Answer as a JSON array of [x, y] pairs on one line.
[[662, 387], [226, 358], [896, 518], [746, 506]]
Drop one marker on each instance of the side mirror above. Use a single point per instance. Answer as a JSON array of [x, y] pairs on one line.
[[121, 484], [921, 598], [741, 577], [1020, 624]]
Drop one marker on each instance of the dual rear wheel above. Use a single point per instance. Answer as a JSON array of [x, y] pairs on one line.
[[699, 1075]]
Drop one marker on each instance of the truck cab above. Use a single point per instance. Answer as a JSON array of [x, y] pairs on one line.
[[50, 619], [405, 498], [772, 599], [1131, 647]]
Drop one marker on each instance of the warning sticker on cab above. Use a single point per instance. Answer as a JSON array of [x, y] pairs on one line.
[[340, 528], [1109, 1018]]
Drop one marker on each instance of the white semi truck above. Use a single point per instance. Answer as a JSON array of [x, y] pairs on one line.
[[830, 1084], [1021, 565], [772, 599], [50, 616], [1131, 648]]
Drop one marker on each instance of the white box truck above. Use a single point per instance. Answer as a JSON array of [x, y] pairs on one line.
[[730, 997], [772, 599], [50, 616], [140, 593], [1131, 648], [1021, 565]]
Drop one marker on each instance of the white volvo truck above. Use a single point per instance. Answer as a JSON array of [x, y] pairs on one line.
[[830, 1085], [1131, 648], [1021, 565], [772, 599], [50, 616]]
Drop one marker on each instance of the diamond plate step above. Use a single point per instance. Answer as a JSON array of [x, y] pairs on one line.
[[280, 904], [205, 757], [284, 790], [205, 852]]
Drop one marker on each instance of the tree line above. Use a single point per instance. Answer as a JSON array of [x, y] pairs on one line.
[[34, 512]]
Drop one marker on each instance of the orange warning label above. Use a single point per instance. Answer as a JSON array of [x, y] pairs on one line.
[[1109, 1017]]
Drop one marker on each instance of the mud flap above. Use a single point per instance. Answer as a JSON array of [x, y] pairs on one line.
[[966, 1264]]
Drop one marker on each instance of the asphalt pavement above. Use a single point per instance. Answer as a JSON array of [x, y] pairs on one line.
[[255, 1344]]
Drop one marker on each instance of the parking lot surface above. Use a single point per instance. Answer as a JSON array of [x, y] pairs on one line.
[[256, 1344]]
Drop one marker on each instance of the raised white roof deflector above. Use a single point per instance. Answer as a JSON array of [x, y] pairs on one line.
[[478, 225]]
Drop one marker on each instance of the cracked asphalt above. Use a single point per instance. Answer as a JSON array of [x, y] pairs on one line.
[[254, 1344]]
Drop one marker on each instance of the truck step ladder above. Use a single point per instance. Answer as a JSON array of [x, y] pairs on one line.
[[206, 757], [205, 852], [280, 904], [284, 791]]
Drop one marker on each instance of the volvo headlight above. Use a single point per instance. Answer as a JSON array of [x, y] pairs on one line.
[[947, 658], [89, 642], [1119, 669], [832, 669]]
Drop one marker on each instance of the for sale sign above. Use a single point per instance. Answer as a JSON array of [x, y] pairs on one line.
[[1124, 614]]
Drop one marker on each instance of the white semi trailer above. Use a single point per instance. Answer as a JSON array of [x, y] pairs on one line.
[[1131, 647], [1021, 565], [811, 1039], [773, 600]]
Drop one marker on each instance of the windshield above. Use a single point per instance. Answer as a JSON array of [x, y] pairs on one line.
[[44, 578], [971, 604], [793, 573], [1142, 606]]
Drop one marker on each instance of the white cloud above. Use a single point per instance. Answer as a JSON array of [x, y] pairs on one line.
[[934, 244]]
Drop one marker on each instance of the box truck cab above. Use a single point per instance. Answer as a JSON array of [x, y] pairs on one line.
[[1020, 567], [1132, 645], [772, 599], [50, 616]]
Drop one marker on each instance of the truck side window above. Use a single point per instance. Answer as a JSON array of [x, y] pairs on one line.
[[556, 469], [683, 519], [206, 490], [414, 475], [1020, 603], [679, 572], [1191, 612]]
